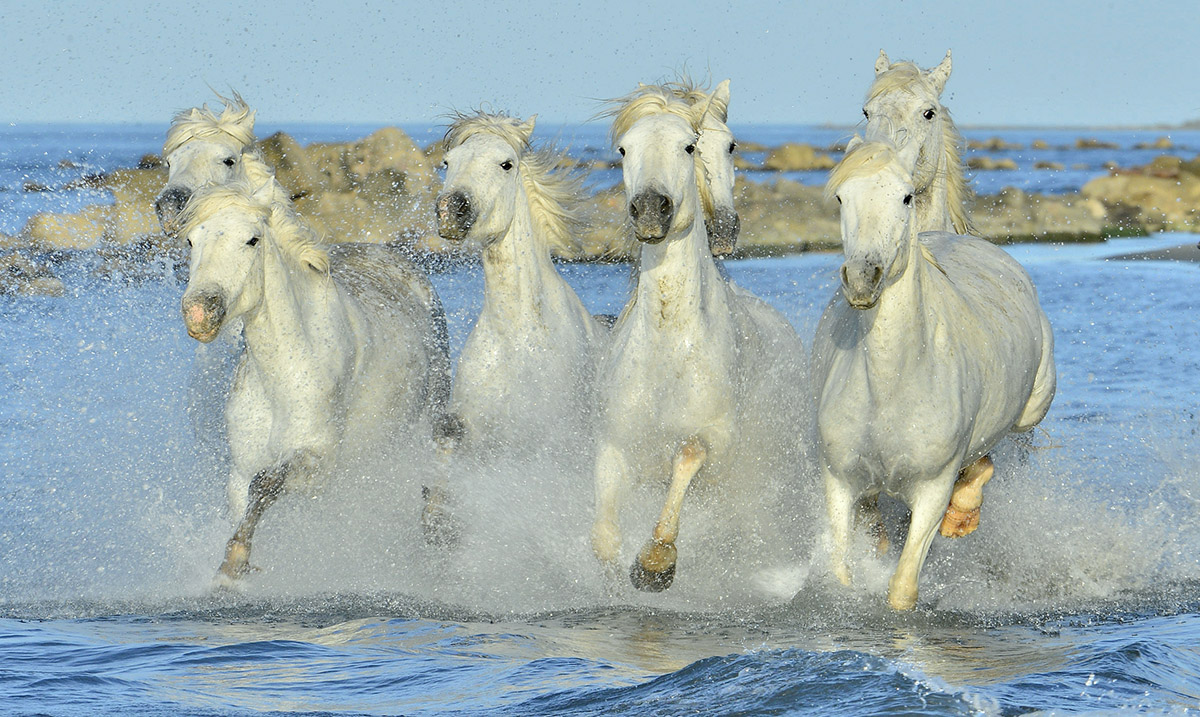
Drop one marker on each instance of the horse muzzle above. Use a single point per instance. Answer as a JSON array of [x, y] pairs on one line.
[[722, 232], [862, 283], [455, 215], [652, 213], [169, 205], [203, 314]]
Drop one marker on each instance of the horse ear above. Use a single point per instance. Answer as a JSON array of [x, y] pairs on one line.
[[721, 94], [941, 73], [854, 142], [882, 63], [526, 127]]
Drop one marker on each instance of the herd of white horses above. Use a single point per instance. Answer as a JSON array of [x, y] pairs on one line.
[[933, 348]]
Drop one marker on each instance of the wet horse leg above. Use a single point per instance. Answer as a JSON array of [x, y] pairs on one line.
[[926, 503], [265, 488], [962, 515], [438, 525], [654, 568]]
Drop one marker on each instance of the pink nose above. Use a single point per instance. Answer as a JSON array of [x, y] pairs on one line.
[[194, 315]]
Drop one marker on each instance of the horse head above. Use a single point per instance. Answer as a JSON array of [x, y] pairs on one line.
[[659, 168], [483, 176], [203, 148], [903, 108], [224, 226], [876, 197]]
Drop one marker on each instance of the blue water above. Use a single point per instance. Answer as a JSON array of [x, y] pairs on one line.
[[1080, 593]]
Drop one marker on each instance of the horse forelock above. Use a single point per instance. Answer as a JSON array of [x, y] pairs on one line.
[[466, 125], [700, 96], [235, 121], [865, 159], [646, 101]]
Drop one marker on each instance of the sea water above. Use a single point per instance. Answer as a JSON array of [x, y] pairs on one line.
[[1080, 592]]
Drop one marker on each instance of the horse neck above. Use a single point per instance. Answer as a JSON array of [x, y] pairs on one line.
[[933, 202], [517, 271], [896, 328], [678, 277], [297, 309]]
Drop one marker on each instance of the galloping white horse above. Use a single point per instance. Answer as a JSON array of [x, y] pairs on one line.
[[525, 376], [691, 355], [904, 108], [931, 351], [205, 148], [338, 342]]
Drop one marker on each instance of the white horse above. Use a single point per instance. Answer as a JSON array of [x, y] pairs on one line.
[[691, 355], [932, 350], [204, 148], [338, 343], [525, 376], [904, 108]]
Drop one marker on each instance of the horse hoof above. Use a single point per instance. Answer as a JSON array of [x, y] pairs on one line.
[[651, 581], [959, 523]]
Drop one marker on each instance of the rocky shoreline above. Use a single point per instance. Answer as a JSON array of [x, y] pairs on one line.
[[381, 189]]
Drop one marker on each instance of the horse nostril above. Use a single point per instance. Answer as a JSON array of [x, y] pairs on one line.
[[633, 210], [664, 205], [845, 276], [877, 275]]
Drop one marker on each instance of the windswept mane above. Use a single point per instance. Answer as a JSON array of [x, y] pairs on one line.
[[649, 100], [286, 230], [553, 189], [948, 168], [865, 159], [235, 121]]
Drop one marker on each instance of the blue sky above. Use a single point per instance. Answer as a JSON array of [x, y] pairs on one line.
[[1015, 63]]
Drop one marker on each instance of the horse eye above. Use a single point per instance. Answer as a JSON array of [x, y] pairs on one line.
[[230, 161], [621, 150], [908, 199], [837, 198], [866, 114], [254, 240], [928, 114], [690, 148], [506, 165], [445, 164], [189, 241], [732, 146]]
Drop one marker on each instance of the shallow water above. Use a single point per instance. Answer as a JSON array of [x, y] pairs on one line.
[[1080, 592]]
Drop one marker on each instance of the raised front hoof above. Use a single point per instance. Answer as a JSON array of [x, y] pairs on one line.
[[959, 523], [651, 581], [654, 569], [438, 527]]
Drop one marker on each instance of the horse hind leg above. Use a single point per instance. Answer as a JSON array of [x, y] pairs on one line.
[[654, 568], [962, 515]]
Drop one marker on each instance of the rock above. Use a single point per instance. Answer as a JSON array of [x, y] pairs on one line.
[[31, 186], [150, 161], [1044, 164], [293, 167], [20, 274], [1039, 144], [990, 163], [1155, 202], [1092, 143], [132, 217], [993, 144], [796, 157], [747, 146], [67, 164], [1014, 215], [1160, 143], [49, 230]]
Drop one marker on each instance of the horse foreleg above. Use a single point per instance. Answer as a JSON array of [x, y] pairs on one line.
[[606, 535], [839, 508], [265, 488], [654, 569], [927, 506], [962, 515]]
